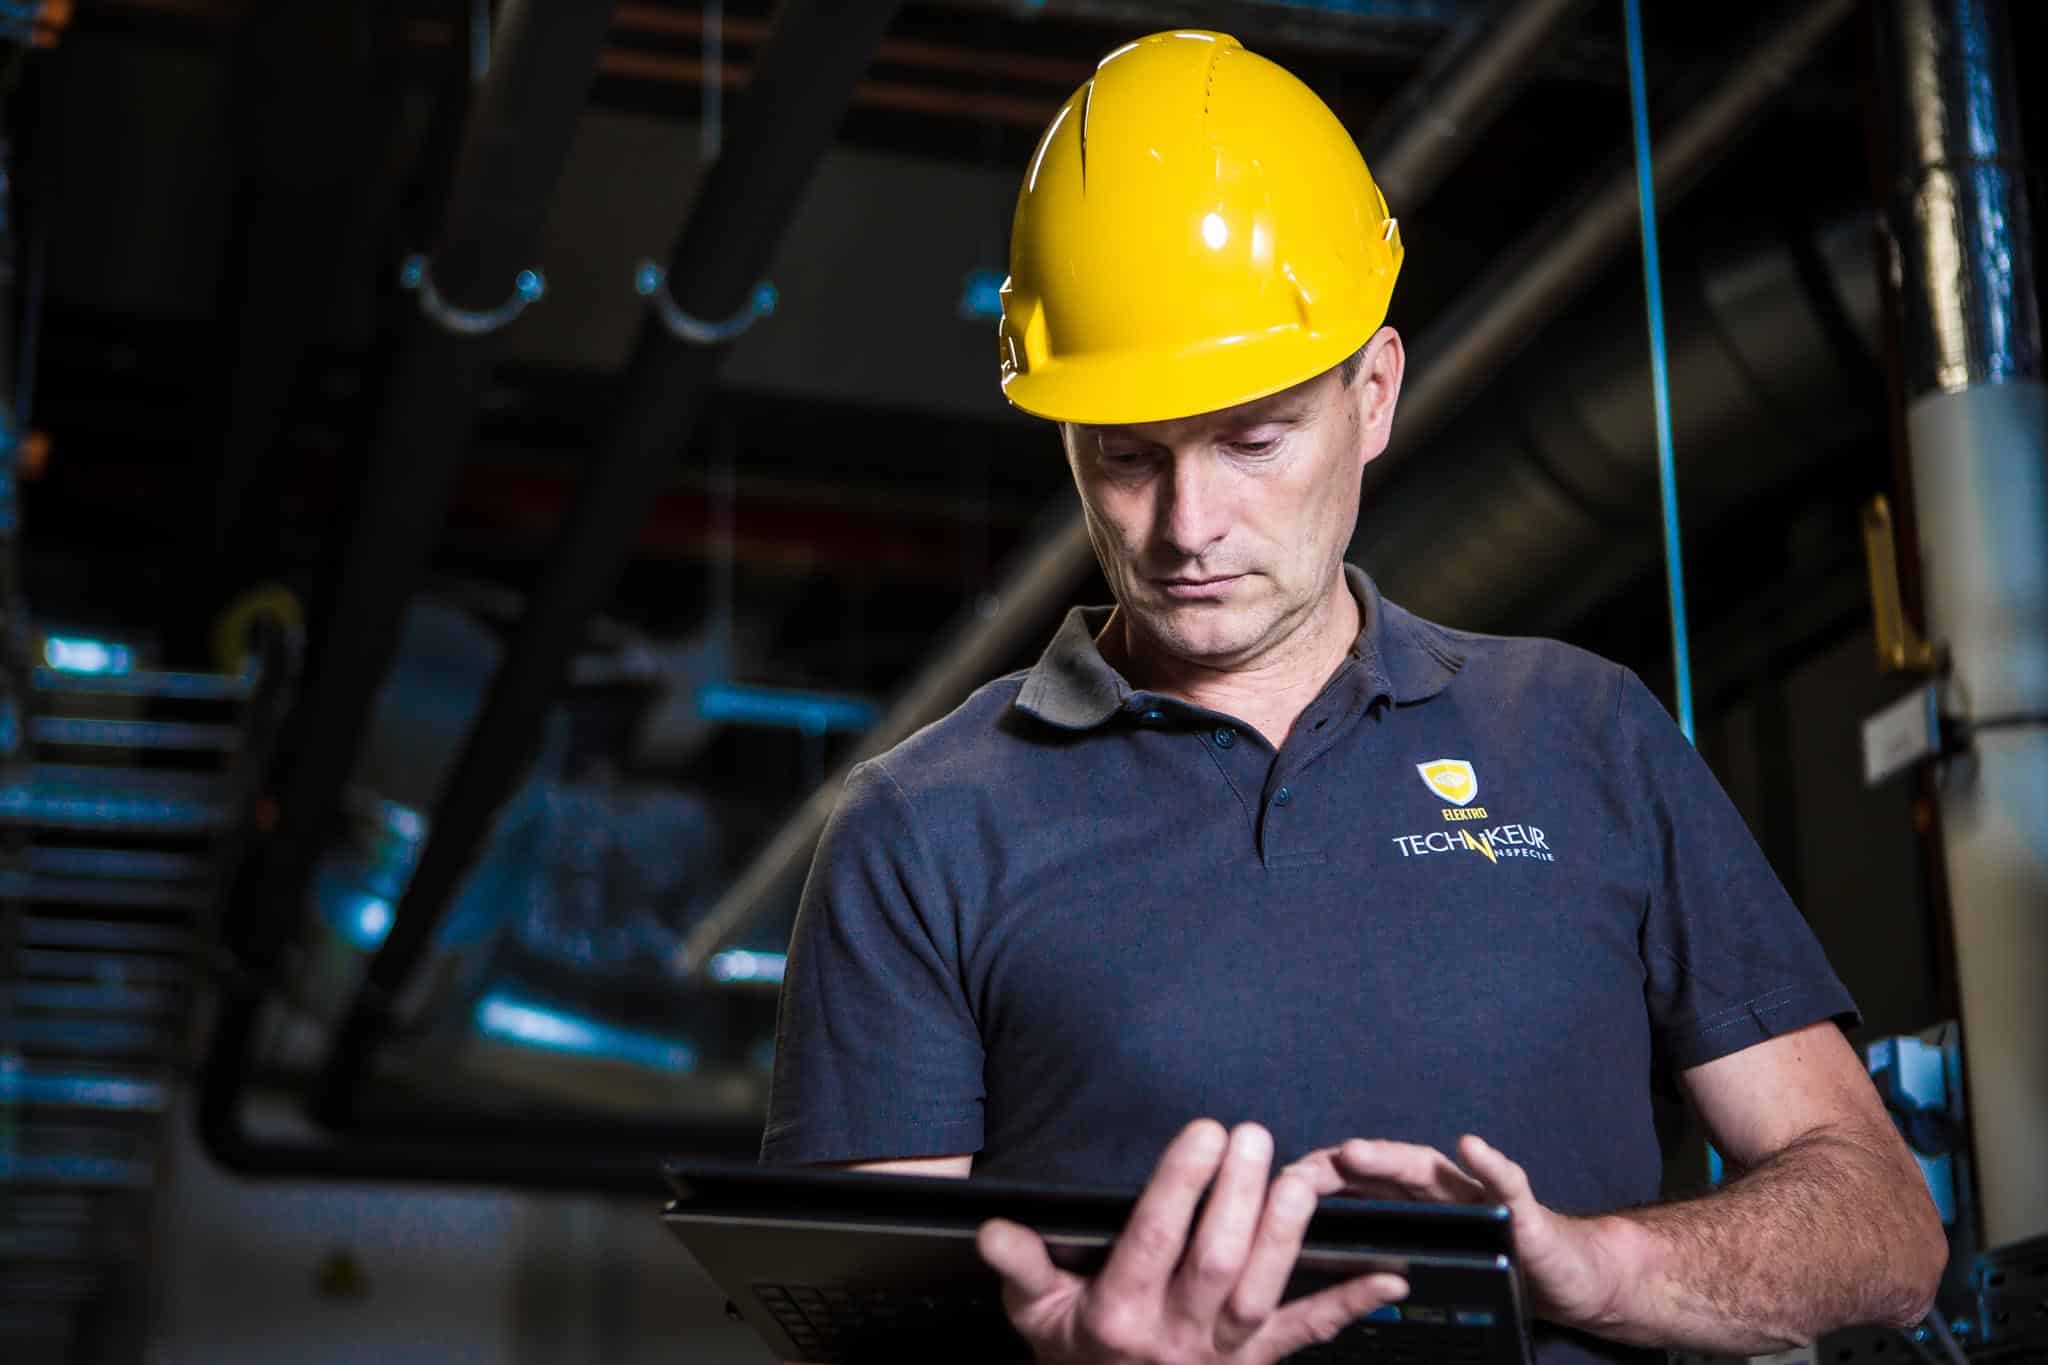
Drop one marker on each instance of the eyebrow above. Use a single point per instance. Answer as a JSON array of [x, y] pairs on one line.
[[1291, 412]]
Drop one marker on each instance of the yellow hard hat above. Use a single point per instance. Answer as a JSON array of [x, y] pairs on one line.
[[1195, 230]]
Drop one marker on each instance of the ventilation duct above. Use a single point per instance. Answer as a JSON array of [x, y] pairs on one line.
[[1531, 511]]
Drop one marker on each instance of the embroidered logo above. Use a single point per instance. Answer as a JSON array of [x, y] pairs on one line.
[[1450, 778]]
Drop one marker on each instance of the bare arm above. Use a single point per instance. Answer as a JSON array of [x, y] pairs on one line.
[[959, 1167], [1828, 1223]]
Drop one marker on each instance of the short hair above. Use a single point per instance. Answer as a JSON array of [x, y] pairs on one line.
[[1348, 368]]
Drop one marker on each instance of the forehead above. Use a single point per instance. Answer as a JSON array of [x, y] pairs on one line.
[[1298, 405]]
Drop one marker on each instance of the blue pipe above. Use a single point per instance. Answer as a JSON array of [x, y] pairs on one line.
[[1653, 290]]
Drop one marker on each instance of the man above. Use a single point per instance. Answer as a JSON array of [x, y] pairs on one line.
[[1258, 846]]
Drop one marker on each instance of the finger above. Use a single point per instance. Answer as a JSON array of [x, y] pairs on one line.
[[1018, 1255], [1150, 1246], [1504, 1180], [1210, 1269], [1423, 1172], [1319, 1170], [1322, 1170], [1318, 1317], [1289, 1204]]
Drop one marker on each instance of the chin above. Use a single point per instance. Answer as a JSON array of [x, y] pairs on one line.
[[1200, 641]]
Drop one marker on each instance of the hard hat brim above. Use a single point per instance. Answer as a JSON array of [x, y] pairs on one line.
[[1125, 389]]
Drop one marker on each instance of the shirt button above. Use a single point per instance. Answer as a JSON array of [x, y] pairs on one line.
[[1282, 797], [1225, 736]]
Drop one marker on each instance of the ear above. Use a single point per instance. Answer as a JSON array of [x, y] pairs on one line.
[[1378, 389]]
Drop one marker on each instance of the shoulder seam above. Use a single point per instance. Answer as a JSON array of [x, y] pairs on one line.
[[880, 765], [931, 870]]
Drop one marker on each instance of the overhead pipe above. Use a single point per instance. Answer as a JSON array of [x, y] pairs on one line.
[[560, 1153], [661, 21], [514, 146], [1397, 29], [1466, 82], [537, 1160], [1977, 439], [804, 79], [1061, 559], [1553, 484], [1544, 271], [305, 75]]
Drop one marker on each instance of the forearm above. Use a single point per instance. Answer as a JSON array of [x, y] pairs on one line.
[[1826, 1233]]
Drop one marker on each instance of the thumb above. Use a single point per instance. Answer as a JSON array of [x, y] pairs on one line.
[[1018, 1255], [1503, 1179]]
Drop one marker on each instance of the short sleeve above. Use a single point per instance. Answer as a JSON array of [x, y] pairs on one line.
[[876, 1051], [1730, 961]]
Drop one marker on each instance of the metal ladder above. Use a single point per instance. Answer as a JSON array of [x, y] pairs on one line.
[[113, 819]]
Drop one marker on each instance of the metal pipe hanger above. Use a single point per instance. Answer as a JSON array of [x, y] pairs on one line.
[[515, 143], [803, 82]]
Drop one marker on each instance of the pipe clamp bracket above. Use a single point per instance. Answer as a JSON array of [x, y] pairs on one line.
[[650, 281], [527, 286]]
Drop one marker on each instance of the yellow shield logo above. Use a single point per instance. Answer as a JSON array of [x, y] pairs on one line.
[[1451, 778]]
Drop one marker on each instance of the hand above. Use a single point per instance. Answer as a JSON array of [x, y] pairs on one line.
[[1164, 1298], [1572, 1275]]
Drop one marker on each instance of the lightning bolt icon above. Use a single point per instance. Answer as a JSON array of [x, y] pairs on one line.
[[1479, 846]]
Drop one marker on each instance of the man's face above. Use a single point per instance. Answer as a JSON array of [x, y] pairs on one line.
[[1222, 533]]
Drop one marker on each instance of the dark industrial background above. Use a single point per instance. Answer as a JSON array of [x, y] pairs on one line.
[[410, 732]]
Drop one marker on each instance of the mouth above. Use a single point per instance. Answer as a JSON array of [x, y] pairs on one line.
[[1188, 587]]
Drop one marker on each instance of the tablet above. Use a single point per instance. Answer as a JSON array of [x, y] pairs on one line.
[[850, 1266]]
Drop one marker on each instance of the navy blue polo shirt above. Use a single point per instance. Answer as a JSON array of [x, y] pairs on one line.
[[1485, 886]]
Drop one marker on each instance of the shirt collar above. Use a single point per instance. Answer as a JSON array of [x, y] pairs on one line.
[[1397, 655]]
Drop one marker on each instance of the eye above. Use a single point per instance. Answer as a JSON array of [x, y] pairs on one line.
[[1258, 441]]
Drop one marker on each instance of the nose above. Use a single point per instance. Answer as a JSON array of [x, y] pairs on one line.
[[1192, 513]]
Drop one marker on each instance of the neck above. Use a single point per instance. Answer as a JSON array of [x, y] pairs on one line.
[[1269, 691]]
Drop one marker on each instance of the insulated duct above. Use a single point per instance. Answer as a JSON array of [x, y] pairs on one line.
[[1540, 275], [1525, 515]]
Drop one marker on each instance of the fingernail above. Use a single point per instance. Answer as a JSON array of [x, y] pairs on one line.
[[1254, 1143], [1210, 1140], [1293, 1198]]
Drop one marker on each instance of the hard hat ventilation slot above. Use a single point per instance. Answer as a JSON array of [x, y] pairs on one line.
[[1087, 102]]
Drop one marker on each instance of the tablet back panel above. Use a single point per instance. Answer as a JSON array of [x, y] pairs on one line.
[[832, 1266]]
